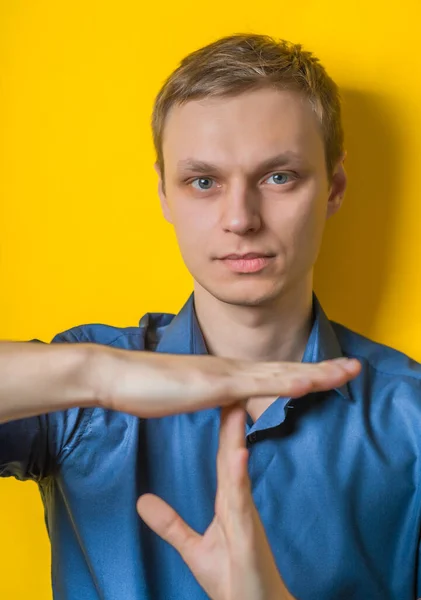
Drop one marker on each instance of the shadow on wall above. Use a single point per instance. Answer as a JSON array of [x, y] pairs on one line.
[[352, 269]]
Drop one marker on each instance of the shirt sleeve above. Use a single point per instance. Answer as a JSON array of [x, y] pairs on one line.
[[31, 448]]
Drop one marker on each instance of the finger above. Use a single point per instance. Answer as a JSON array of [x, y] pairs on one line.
[[231, 438], [233, 499], [240, 481], [165, 522], [235, 506], [244, 521], [232, 428], [293, 379]]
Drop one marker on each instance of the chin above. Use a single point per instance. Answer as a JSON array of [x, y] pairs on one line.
[[245, 293]]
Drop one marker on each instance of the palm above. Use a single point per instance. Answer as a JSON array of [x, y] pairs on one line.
[[210, 556]]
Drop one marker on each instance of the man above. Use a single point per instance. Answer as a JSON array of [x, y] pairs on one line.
[[250, 163]]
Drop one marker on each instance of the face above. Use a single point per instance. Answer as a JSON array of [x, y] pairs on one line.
[[246, 189]]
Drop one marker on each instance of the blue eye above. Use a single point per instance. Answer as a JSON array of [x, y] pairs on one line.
[[202, 183], [279, 178]]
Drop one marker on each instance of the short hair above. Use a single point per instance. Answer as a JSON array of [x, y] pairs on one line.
[[245, 62]]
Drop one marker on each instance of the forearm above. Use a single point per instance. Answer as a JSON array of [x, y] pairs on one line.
[[38, 378]]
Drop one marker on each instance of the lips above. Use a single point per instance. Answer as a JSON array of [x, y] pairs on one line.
[[252, 262], [248, 256]]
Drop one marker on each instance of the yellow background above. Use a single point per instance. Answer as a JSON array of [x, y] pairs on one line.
[[81, 236]]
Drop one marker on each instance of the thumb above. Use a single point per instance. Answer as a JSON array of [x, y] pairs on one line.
[[165, 522]]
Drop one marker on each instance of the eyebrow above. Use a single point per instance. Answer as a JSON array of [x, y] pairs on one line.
[[200, 166]]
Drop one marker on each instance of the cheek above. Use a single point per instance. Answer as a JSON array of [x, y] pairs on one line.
[[193, 227], [302, 227], [311, 222]]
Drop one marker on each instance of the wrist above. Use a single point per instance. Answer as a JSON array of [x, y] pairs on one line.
[[75, 367], [97, 373]]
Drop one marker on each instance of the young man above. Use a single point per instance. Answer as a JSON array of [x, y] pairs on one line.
[[250, 163]]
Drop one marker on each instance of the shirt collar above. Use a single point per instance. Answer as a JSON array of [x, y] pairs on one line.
[[183, 336], [323, 343]]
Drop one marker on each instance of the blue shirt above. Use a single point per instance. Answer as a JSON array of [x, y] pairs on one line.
[[335, 477]]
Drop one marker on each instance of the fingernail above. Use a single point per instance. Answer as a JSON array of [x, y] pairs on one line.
[[348, 363]]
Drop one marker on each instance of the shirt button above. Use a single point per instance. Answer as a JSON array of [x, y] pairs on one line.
[[253, 437]]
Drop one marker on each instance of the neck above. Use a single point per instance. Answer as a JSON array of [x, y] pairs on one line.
[[272, 332]]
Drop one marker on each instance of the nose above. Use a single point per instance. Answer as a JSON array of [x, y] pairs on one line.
[[240, 211]]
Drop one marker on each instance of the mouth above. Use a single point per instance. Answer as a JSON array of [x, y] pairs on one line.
[[252, 262]]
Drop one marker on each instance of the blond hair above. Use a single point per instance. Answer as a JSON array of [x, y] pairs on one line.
[[243, 62]]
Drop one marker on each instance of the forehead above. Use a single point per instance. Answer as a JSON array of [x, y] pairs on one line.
[[243, 129]]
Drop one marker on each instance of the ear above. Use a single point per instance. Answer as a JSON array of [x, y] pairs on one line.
[[162, 196], [337, 187]]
